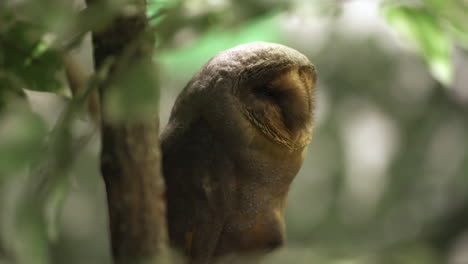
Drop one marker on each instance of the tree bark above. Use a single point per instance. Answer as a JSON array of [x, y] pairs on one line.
[[130, 156]]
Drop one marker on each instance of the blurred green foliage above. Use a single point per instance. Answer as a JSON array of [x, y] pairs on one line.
[[26, 56], [426, 31], [435, 27], [217, 39], [21, 139], [385, 179], [134, 93]]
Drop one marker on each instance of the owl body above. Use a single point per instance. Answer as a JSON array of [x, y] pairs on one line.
[[235, 140]]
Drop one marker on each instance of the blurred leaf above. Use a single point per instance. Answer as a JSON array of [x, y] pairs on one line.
[[189, 59], [425, 31], [21, 136], [134, 93], [11, 92], [31, 238], [26, 55], [22, 227], [455, 12], [53, 208], [460, 34], [157, 8], [51, 16], [43, 75], [37, 193], [97, 16], [51, 173]]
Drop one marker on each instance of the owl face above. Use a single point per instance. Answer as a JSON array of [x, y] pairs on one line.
[[281, 104], [276, 100]]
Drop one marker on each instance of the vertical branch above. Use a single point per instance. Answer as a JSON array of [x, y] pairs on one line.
[[130, 156]]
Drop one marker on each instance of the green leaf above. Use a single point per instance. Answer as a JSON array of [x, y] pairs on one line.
[[31, 241], [53, 208], [460, 34], [134, 94], [42, 75], [188, 60], [21, 136], [424, 30], [51, 16], [155, 8], [455, 14], [24, 54], [22, 227], [11, 93], [97, 16]]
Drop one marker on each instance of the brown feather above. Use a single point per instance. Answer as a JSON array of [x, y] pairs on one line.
[[236, 138]]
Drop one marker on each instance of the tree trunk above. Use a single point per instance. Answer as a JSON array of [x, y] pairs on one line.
[[130, 157]]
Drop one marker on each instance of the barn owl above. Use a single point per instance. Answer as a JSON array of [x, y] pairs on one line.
[[235, 140]]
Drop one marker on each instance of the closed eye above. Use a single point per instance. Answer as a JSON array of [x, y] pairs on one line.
[[267, 92]]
